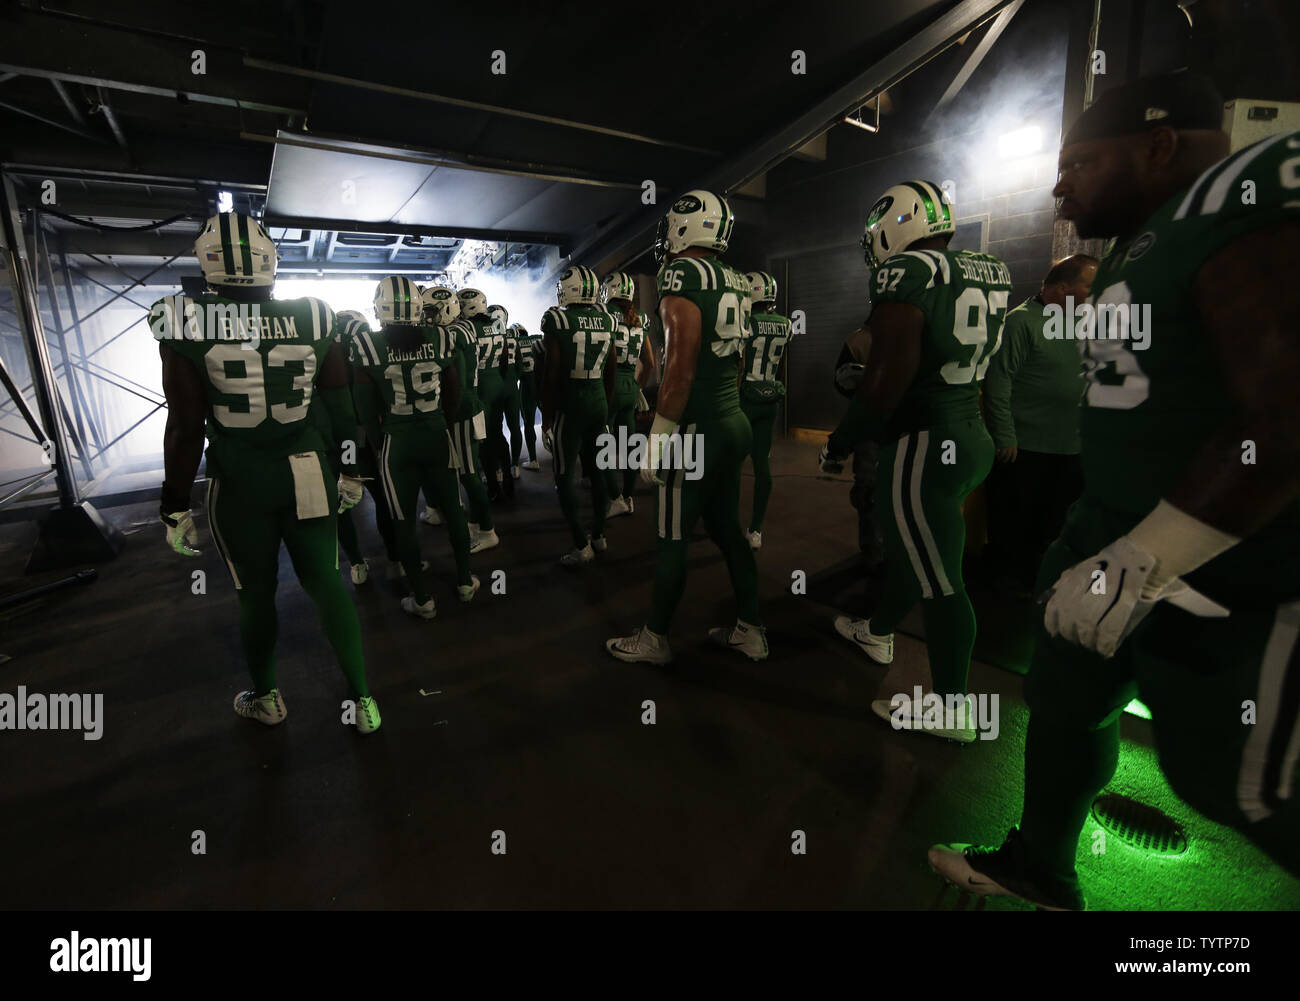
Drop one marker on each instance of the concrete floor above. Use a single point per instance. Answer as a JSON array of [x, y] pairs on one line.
[[534, 731]]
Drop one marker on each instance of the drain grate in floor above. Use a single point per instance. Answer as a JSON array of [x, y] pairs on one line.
[[1144, 827]]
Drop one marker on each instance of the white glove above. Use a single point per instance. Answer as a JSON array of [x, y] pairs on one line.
[[660, 431], [350, 490], [548, 439], [642, 404], [830, 462], [1096, 604], [182, 536]]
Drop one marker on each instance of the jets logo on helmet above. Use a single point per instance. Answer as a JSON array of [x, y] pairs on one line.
[[578, 286], [618, 287], [397, 301], [441, 305], [472, 302], [762, 287], [907, 212], [234, 249], [698, 218]]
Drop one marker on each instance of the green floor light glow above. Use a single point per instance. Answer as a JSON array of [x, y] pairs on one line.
[[1136, 708]]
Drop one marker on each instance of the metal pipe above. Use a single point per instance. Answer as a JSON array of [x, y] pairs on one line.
[[73, 110], [495, 109]]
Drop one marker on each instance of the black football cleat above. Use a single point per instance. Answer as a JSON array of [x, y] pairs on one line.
[[1004, 872]]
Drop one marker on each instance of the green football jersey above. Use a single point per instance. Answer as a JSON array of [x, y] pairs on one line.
[[765, 346], [722, 295], [529, 351], [491, 339], [584, 334], [258, 363], [512, 351], [1155, 396], [408, 378], [963, 295], [628, 341]]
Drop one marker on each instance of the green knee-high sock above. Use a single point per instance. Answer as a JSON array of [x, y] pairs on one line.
[[479, 509], [949, 640], [338, 617], [1065, 769], [408, 549], [569, 505], [258, 626], [670, 581], [348, 538]]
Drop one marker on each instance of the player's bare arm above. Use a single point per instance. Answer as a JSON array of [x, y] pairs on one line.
[[1249, 304], [647, 363], [183, 437], [895, 356], [681, 320]]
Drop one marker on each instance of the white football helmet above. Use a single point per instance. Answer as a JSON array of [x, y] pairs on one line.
[[618, 286], [472, 302], [499, 314], [234, 249], [905, 213], [350, 316], [441, 306], [397, 301], [762, 287], [578, 286], [698, 218]]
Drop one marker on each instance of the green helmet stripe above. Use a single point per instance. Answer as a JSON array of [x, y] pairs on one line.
[[227, 245], [943, 202], [930, 214], [245, 244]]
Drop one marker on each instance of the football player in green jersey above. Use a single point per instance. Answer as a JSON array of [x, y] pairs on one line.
[[469, 428], [510, 405], [577, 391], [761, 391], [635, 357], [1190, 442], [249, 366], [704, 306], [936, 323], [405, 372], [490, 339], [529, 354]]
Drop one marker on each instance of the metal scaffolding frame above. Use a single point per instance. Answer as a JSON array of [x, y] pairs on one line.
[[84, 410]]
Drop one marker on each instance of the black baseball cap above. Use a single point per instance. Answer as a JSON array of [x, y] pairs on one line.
[[1173, 100]]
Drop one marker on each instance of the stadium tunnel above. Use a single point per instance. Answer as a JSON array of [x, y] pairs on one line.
[[521, 145]]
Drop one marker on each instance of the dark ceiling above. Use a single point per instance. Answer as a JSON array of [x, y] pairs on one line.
[[389, 117]]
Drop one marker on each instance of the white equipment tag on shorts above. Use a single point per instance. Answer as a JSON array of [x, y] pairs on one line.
[[309, 486], [480, 426]]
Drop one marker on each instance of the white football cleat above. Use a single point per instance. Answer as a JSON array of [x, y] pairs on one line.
[[599, 544], [367, 715], [878, 648], [478, 541], [579, 557], [268, 709], [426, 611], [361, 572], [466, 592], [744, 638], [533, 464], [431, 516], [755, 540], [642, 647], [908, 716], [618, 506]]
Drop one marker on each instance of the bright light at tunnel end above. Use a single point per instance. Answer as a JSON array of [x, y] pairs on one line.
[[1021, 142]]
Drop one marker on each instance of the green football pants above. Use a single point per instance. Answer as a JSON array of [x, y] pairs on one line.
[[1200, 677], [466, 435], [619, 482], [492, 391], [412, 459], [252, 508], [761, 418], [924, 478], [718, 447], [577, 426], [528, 411]]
